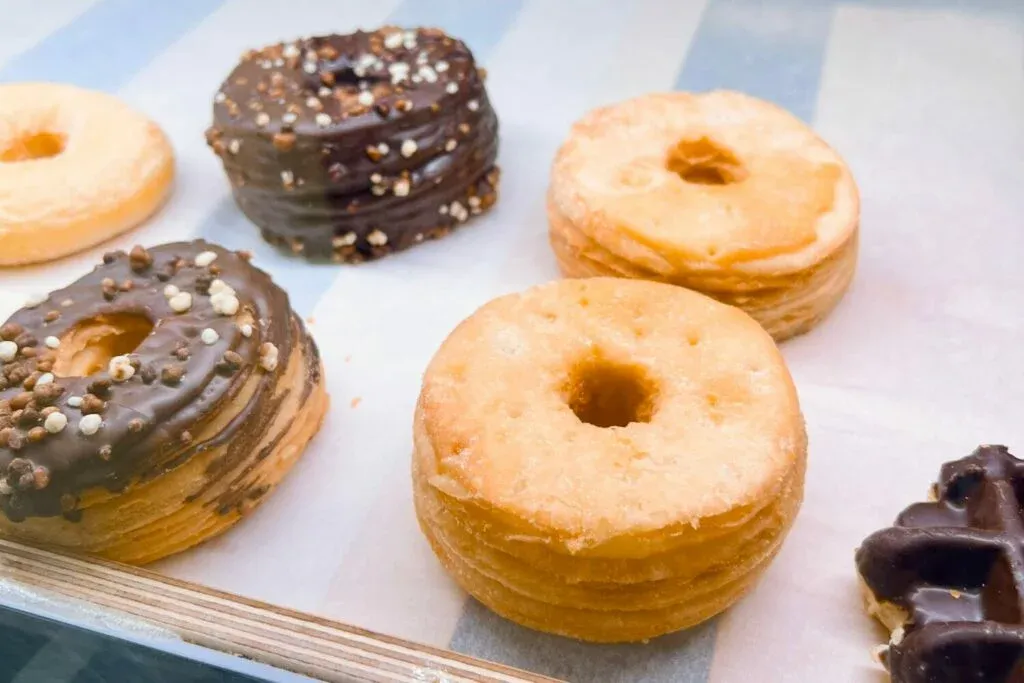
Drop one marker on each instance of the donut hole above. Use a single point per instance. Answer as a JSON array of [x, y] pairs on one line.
[[87, 347], [34, 146], [702, 161], [606, 394]]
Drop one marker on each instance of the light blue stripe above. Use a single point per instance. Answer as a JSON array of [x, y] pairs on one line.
[[109, 43], [774, 51], [679, 658], [481, 26]]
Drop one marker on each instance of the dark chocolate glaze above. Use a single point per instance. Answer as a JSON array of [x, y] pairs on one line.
[[149, 421], [349, 147], [956, 566]]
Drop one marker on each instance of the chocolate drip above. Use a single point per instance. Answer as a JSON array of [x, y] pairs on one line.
[[125, 424], [348, 147], [956, 566]]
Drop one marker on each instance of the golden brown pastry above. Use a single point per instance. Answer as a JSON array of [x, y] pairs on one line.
[[151, 404], [77, 167], [718, 192], [607, 459]]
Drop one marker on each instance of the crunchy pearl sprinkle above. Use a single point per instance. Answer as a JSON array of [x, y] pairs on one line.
[[205, 258], [451, 88], [365, 98], [8, 351], [246, 330], [218, 286], [225, 303], [377, 238], [171, 291], [209, 336], [52, 342], [409, 148], [75, 401], [44, 379], [262, 119], [120, 369], [90, 424], [180, 302], [268, 357], [323, 120], [55, 423], [401, 188]]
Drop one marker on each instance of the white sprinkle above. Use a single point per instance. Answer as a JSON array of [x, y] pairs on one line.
[[35, 299], [66, 303], [409, 148], [220, 98], [419, 237], [234, 146], [290, 51], [416, 78], [399, 71], [278, 62], [246, 330], [409, 40], [451, 88], [225, 303], [451, 145], [393, 40], [45, 378], [428, 74], [324, 91], [205, 258], [378, 190], [268, 357], [90, 424], [474, 202], [443, 209], [458, 211], [262, 119], [323, 120], [366, 98], [74, 401], [377, 238], [180, 302], [366, 59], [376, 178], [422, 57], [170, 291], [52, 342], [383, 148], [346, 240], [55, 423], [218, 286], [473, 105], [441, 66], [120, 369], [401, 187], [289, 118], [314, 103], [309, 67], [209, 336], [287, 178], [8, 351]]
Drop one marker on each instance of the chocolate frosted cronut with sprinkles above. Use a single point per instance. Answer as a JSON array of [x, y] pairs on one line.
[[151, 404], [349, 147]]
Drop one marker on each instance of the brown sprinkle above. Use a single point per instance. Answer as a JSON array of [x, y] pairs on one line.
[[105, 452], [136, 425], [40, 477], [36, 434], [93, 405], [284, 142], [51, 316], [140, 259], [172, 374]]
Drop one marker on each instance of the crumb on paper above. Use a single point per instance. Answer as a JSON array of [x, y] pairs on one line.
[[348, 358], [356, 401]]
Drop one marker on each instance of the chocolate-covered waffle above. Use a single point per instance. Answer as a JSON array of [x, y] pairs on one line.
[[948, 578]]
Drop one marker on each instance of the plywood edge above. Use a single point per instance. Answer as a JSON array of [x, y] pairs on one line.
[[290, 640]]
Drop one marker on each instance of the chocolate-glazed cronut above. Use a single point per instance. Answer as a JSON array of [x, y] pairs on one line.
[[349, 147], [190, 325], [954, 568]]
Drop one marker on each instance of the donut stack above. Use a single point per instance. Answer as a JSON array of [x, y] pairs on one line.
[[350, 147], [718, 192], [580, 471]]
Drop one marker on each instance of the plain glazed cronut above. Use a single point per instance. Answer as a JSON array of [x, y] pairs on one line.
[[77, 167], [152, 403], [718, 192], [607, 459]]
